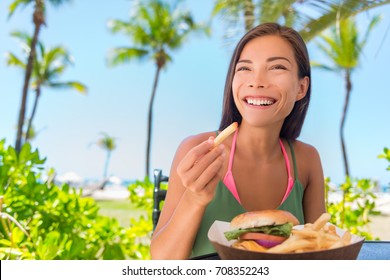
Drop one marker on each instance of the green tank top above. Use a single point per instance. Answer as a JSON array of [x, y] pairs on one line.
[[224, 207]]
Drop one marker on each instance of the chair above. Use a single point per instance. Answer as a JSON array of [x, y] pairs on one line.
[[158, 194]]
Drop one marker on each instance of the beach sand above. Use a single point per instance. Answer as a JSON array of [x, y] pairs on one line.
[[380, 227]]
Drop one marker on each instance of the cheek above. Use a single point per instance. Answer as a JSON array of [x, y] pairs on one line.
[[238, 82], [235, 87]]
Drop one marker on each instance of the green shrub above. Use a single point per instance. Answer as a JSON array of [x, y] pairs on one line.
[[355, 206], [40, 220], [141, 196]]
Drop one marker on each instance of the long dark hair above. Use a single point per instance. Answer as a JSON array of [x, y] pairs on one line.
[[293, 123]]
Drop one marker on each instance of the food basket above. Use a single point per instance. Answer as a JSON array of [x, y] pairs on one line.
[[226, 252]]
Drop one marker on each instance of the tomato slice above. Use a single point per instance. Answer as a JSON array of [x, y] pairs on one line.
[[261, 236]]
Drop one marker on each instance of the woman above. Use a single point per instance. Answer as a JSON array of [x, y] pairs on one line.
[[262, 165]]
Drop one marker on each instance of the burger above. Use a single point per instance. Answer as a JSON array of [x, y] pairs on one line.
[[260, 230]]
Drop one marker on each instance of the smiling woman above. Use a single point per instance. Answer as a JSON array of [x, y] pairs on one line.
[[267, 81], [267, 93]]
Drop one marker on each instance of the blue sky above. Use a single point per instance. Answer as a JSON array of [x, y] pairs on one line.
[[189, 96]]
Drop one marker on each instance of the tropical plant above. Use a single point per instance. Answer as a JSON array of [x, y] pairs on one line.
[[343, 45], [40, 220], [355, 206], [141, 196], [48, 65], [38, 20], [386, 155], [156, 29], [309, 18], [108, 144]]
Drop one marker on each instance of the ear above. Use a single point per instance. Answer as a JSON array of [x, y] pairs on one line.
[[303, 87]]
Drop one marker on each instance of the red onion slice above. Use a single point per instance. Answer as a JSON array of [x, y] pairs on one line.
[[267, 243]]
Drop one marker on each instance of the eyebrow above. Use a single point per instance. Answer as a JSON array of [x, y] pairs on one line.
[[270, 59]]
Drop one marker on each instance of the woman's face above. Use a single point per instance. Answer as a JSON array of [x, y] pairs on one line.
[[266, 84]]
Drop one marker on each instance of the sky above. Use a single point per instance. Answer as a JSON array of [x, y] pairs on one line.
[[188, 99]]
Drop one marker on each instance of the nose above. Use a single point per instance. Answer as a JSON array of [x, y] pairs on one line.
[[257, 81], [255, 85]]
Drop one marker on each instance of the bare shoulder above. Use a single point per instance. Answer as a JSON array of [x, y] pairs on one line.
[[305, 151], [308, 161]]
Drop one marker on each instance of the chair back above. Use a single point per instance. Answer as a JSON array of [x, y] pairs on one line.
[[158, 194]]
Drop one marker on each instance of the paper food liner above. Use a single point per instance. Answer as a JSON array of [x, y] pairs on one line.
[[226, 252]]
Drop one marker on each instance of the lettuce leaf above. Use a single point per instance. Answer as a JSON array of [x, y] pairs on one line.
[[279, 230]]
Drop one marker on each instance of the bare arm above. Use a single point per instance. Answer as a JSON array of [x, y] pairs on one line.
[[194, 175], [314, 196]]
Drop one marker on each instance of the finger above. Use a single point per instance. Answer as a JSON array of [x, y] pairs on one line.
[[210, 175], [192, 175], [195, 154]]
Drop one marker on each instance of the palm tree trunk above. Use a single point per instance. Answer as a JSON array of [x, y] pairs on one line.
[[106, 165], [348, 88], [38, 21], [150, 120], [37, 95]]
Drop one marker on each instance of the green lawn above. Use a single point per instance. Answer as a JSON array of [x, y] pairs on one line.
[[122, 210]]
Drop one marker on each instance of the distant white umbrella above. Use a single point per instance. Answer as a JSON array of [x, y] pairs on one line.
[[70, 178], [115, 180]]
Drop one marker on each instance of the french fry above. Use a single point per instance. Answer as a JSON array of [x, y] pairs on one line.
[[321, 221], [225, 133], [249, 245], [288, 247], [346, 238], [305, 233], [320, 235]]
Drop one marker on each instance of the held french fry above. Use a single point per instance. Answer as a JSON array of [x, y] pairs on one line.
[[225, 133]]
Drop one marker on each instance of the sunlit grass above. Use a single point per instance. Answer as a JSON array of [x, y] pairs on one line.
[[122, 210]]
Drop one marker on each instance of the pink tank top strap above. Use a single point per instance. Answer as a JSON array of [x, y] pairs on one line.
[[228, 180], [290, 178]]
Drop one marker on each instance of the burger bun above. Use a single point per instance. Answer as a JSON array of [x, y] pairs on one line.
[[263, 218]]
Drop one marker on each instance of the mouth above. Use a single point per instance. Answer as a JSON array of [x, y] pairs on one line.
[[260, 101]]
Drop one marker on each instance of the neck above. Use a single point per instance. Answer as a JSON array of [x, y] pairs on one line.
[[261, 144]]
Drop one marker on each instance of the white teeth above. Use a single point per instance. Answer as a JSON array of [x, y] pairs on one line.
[[260, 101]]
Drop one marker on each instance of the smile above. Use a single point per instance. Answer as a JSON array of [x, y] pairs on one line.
[[260, 101]]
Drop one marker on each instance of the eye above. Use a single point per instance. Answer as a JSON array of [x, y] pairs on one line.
[[278, 67], [243, 68]]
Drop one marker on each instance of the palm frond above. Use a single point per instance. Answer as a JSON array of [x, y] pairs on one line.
[[121, 55], [374, 22], [13, 60], [70, 85], [337, 11], [322, 66], [17, 3]]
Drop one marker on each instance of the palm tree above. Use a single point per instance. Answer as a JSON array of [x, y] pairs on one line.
[[108, 144], [48, 65], [343, 46], [156, 29], [38, 20], [295, 13]]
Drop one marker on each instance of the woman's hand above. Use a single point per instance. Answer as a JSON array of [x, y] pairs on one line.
[[201, 169]]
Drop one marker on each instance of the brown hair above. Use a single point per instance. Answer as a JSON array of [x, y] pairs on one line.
[[293, 123]]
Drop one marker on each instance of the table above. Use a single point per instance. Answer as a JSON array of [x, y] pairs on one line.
[[375, 250], [371, 250]]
